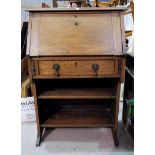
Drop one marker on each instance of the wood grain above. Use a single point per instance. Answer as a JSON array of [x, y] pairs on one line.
[[36, 108], [123, 69], [124, 48], [116, 33], [76, 40], [77, 68], [83, 57], [75, 34], [35, 28]]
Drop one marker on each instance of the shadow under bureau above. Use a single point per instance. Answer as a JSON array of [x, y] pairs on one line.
[[76, 61]]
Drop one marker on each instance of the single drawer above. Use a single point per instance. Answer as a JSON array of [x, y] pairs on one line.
[[79, 68]]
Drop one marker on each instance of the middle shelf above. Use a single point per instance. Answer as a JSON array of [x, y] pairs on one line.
[[78, 93]]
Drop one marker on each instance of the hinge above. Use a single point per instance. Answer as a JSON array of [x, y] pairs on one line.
[[119, 66]]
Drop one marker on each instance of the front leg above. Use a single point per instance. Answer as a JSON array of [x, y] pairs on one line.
[[115, 136], [38, 141], [39, 137]]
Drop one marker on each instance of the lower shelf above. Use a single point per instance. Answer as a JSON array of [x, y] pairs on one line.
[[80, 118]]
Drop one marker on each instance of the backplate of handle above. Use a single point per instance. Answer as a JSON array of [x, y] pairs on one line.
[[95, 68], [56, 67]]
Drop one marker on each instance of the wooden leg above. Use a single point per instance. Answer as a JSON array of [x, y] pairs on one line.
[[115, 137], [39, 137], [38, 141]]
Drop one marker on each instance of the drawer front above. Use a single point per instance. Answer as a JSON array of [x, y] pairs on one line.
[[77, 68]]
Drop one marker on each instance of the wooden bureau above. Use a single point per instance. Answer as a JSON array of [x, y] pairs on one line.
[[76, 64]]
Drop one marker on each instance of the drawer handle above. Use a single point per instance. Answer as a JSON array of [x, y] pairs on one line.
[[95, 68], [56, 67]]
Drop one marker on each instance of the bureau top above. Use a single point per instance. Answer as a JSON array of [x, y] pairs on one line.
[[76, 9], [80, 31]]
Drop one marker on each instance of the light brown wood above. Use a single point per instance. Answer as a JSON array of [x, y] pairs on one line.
[[124, 48], [132, 8], [36, 107], [77, 57], [116, 30], [25, 87], [74, 93], [75, 34], [128, 33], [98, 3], [36, 68], [123, 69], [69, 50], [34, 47], [77, 68]]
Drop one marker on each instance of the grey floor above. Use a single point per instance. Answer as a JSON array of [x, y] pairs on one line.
[[83, 141]]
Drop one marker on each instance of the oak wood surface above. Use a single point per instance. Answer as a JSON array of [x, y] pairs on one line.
[[124, 48], [75, 34], [77, 57], [77, 68], [36, 108], [123, 69], [76, 40], [34, 44]]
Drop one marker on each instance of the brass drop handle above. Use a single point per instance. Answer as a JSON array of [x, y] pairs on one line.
[[95, 68], [56, 67]]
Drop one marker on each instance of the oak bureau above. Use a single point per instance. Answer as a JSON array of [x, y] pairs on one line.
[[76, 64]]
